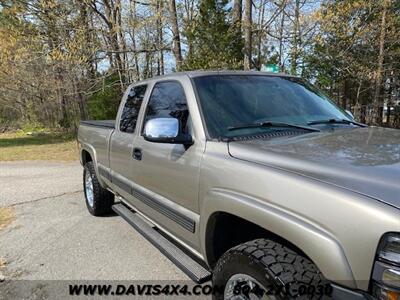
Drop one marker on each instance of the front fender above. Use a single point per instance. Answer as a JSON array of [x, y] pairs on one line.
[[319, 244]]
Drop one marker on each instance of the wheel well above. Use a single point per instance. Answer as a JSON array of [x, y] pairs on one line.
[[225, 231], [86, 157]]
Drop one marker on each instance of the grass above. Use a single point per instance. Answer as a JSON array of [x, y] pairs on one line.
[[6, 217], [38, 146]]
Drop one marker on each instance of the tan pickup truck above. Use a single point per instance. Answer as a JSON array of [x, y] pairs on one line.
[[256, 181]]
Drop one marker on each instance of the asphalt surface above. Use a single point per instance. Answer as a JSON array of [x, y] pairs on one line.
[[53, 237]]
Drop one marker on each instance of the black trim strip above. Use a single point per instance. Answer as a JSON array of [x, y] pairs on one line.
[[122, 185], [104, 171], [175, 216], [157, 205], [99, 123]]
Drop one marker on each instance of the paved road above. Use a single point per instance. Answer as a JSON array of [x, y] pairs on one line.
[[54, 237]]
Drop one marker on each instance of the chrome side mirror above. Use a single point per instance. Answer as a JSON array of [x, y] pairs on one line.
[[165, 130], [350, 114]]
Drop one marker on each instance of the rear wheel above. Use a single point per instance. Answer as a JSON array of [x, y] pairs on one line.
[[264, 269], [98, 199]]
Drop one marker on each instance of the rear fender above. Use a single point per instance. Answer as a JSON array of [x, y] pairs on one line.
[[92, 152]]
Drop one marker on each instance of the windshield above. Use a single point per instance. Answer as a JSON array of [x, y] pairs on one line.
[[234, 100]]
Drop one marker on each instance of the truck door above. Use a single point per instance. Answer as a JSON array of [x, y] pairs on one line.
[[122, 140], [170, 172]]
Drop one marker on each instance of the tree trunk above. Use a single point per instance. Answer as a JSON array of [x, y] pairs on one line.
[[281, 67], [189, 16], [293, 60], [378, 101], [237, 13], [132, 17], [85, 25], [260, 56], [121, 37], [247, 25], [176, 40], [111, 15], [160, 58], [53, 39], [344, 94]]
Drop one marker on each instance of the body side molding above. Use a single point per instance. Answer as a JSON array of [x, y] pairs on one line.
[[176, 216]]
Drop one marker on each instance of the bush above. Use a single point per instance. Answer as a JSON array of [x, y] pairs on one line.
[[32, 127]]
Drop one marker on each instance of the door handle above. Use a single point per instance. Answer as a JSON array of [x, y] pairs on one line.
[[137, 153]]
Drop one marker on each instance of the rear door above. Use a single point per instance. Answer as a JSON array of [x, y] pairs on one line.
[[123, 138]]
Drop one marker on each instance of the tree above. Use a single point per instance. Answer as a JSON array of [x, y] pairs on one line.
[[60, 60], [215, 43], [247, 25], [176, 41], [378, 103], [237, 13], [296, 36]]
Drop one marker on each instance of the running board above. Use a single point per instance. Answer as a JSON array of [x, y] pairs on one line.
[[188, 265]]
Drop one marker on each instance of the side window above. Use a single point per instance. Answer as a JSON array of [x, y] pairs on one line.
[[131, 109], [168, 100]]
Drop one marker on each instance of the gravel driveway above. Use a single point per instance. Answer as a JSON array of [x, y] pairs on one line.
[[53, 237]]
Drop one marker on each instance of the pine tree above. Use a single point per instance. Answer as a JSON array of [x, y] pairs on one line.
[[216, 45]]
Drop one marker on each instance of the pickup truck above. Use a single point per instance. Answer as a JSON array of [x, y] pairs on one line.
[[254, 180]]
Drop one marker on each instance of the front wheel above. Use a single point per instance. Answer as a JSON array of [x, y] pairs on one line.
[[264, 269], [98, 199]]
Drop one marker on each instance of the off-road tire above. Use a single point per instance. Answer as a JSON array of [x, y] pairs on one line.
[[283, 272], [102, 198]]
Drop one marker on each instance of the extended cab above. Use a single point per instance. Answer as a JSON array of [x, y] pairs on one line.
[[255, 179]]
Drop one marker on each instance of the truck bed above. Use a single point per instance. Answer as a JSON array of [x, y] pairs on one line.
[[97, 134]]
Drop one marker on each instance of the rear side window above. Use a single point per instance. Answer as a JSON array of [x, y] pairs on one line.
[[168, 100], [131, 108]]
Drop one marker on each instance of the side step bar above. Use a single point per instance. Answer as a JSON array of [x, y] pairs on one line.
[[188, 265]]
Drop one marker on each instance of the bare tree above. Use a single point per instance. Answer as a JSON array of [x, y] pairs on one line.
[[237, 13], [261, 37], [295, 43], [247, 26], [160, 58], [176, 40], [377, 102], [132, 34], [280, 38]]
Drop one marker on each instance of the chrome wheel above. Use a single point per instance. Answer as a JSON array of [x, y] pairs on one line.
[[245, 287], [89, 189]]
